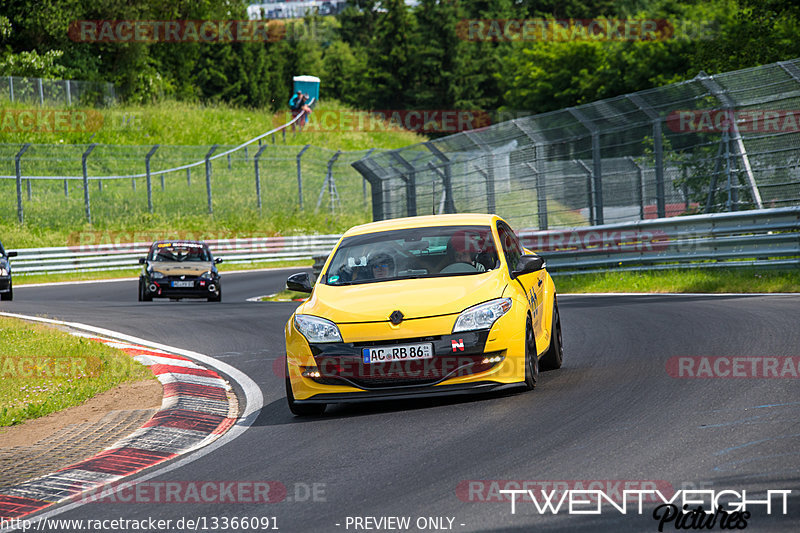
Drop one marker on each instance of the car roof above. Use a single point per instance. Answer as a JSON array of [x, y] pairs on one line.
[[179, 242], [460, 219]]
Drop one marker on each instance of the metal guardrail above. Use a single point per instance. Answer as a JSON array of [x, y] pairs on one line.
[[759, 238], [86, 258]]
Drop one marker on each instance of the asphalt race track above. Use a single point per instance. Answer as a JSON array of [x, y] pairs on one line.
[[612, 413]]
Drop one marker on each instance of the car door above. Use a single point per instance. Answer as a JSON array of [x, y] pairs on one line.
[[532, 285]]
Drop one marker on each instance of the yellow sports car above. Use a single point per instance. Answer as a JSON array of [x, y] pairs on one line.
[[421, 306]]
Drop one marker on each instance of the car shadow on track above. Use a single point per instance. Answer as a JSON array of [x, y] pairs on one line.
[[277, 413]]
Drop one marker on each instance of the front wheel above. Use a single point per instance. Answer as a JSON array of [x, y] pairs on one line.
[[297, 409], [531, 357], [217, 298], [555, 353], [8, 296]]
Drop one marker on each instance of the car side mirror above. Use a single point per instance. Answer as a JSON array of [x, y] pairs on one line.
[[217, 260], [11, 254], [527, 264], [142, 260], [299, 282]]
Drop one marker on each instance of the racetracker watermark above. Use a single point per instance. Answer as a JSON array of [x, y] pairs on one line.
[[734, 367], [49, 120], [743, 120], [177, 31], [419, 120], [182, 492], [561, 30], [41, 367], [130, 241], [595, 240]]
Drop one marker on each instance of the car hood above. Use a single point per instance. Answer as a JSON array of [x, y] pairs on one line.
[[415, 298], [176, 268]]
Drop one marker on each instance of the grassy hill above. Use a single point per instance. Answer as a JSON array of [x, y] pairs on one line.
[[54, 214]]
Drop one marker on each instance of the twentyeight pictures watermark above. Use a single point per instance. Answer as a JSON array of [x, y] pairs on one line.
[[684, 508]]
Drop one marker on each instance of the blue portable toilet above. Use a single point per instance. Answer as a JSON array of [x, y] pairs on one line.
[[308, 85]]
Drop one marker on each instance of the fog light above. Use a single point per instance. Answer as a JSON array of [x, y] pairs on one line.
[[311, 372], [494, 359]]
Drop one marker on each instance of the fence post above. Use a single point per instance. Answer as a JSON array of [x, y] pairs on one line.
[[300, 176], [541, 196], [149, 183], [69, 94], [11, 86], [589, 192], [66, 189], [447, 179], [410, 177], [86, 182], [659, 153], [20, 214], [208, 178], [41, 92], [639, 186], [364, 180], [229, 161], [329, 182], [728, 177], [376, 184], [258, 177], [188, 177]]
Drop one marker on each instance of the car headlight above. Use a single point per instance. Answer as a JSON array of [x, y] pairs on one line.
[[156, 275], [3, 271], [207, 275], [482, 316], [316, 329]]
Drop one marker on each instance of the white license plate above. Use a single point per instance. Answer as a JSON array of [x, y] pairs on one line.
[[183, 283], [402, 352]]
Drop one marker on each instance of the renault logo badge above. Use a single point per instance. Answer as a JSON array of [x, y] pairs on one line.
[[396, 317]]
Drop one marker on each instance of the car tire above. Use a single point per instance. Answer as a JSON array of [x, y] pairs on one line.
[[217, 298], [310, 409], [531, 357], [555, 353], [8, 296], [144, 296]]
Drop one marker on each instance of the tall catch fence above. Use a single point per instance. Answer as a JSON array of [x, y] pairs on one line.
[[721, 143], [42, 91], [66, 185]]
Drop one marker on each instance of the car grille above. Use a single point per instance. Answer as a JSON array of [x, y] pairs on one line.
[[345, 370]]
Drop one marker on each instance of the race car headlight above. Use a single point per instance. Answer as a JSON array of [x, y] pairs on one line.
[[207, 275], [3, 271], [482, 316], [156, 275], [316, 329]]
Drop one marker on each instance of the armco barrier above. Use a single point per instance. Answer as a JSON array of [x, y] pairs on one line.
[[81, 258], [761, 238]]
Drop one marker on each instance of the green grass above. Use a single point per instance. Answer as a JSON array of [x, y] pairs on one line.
[[716, 280], [286, 296], [183, 123], [46, 370], [185, 132]]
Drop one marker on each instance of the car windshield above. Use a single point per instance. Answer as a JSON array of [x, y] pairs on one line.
[[182, 252], [413, 253]]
